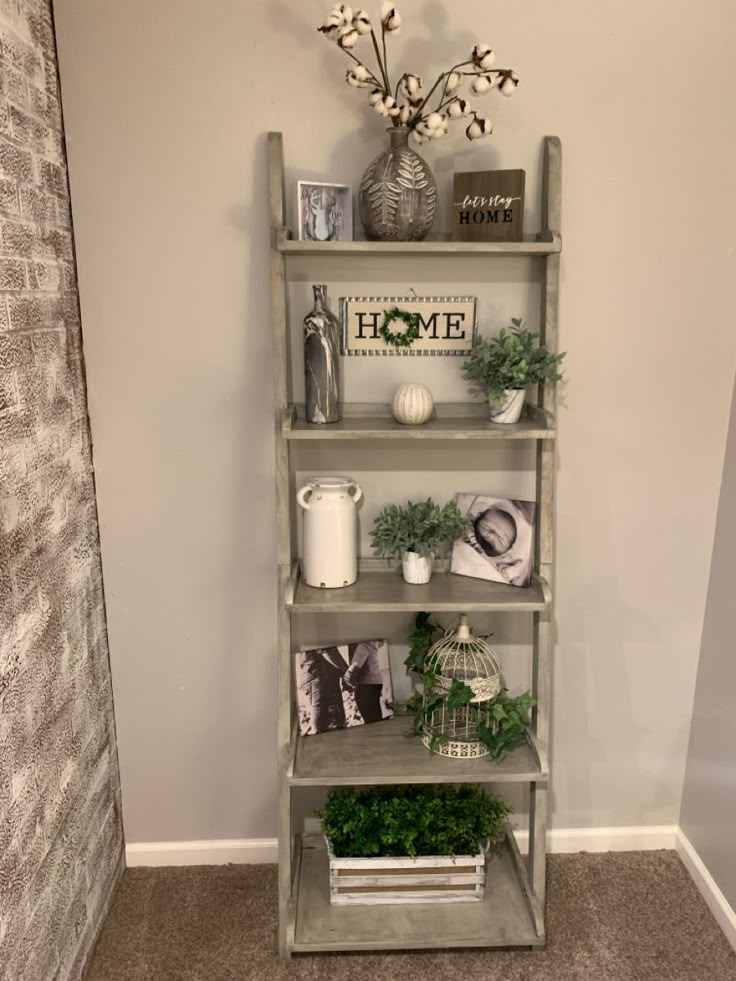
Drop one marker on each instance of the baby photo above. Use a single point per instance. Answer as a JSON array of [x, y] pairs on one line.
[[498, 542]]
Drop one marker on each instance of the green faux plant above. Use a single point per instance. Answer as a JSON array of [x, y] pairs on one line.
[[501, 724], [395, 821], [422, 527], [511, 360]]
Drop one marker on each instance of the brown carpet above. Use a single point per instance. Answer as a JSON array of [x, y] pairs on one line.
[[633, 916]]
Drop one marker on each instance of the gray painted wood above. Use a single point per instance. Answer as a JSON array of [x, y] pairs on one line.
[[381, 753], [501, 919], [451, 421], [546, 468], [537, 247], [533, 905], [377, 592], [283, 530], [512, 912]]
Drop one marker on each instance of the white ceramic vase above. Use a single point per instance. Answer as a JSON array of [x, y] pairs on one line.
[[330, 531], [416, 568], [509, 409], [412, 404]]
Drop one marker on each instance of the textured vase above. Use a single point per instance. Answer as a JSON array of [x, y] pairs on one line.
[[509, 409], [416, 569], [321, 361], [398, 193], [412, 404]]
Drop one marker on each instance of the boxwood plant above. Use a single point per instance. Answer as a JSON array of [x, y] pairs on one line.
[[395, 821]]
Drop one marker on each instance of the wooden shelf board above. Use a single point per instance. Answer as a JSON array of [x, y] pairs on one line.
[[501, 919], [294, 247], [383, 753], [451, 421], [384, 591]]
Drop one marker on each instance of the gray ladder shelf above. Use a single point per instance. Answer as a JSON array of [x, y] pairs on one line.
[[512, 913]]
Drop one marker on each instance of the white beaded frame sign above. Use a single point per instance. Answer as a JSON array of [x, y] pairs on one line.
[[447, 324]]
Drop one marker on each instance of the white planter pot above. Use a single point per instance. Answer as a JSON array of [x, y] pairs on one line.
[[426, 879], [509, 409], [417, 569], [330, 539]]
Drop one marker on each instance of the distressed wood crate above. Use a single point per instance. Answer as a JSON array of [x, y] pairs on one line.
[[426, 879]]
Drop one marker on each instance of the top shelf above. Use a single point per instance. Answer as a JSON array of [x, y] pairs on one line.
[[549, 243]]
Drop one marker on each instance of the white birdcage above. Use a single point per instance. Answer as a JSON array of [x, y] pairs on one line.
[[460, 655]]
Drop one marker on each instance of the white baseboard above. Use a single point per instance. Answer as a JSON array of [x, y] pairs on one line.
[[719, 906], [256, 851], [239, 851], [563, 841]]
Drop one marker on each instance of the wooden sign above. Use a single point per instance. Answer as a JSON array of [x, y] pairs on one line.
[[446, 324], [488, 206]]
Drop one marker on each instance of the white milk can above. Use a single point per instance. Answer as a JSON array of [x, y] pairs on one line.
[[330, 539]]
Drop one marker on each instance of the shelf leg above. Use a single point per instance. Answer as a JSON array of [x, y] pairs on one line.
[[284, 736], [541, 683], [538, 840]]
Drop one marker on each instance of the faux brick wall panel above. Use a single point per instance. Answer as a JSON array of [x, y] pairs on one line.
[[61, 841]]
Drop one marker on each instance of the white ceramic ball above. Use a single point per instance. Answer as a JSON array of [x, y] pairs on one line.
[[412, 404]]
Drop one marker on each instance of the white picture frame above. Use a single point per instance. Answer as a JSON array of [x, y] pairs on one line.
[[325, 212]]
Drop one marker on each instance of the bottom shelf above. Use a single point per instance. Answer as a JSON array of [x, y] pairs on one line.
[[505, 918]]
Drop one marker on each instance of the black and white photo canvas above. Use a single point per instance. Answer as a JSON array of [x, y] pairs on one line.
[[325, 212], [343, 686], [498, 543]]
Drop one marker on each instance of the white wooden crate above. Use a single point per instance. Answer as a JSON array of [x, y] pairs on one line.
[[427, 879]]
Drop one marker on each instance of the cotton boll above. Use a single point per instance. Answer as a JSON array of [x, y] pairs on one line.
[[375, 97], [479, 128], [404, 114], [345, 12], [434, 121], [410, 84], [482, 52], [331, 26], [481, 84], [458, 107], [347, 37], [390, 17], [452, 81], [362, 22], [390, 106], [359, 77], [508, 83]]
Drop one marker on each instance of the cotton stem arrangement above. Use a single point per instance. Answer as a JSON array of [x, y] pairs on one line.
[[427, 113]]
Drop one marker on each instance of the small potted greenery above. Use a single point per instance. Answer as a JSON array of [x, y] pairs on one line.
[[411, 831], [501, 368], [416, 533]]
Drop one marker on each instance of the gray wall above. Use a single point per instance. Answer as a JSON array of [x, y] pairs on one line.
[[61, 843], [709, 798], [167, 104]]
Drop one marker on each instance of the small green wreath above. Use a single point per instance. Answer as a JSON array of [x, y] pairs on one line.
[[404, 338]]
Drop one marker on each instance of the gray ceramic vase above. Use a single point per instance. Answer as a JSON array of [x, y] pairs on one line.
[[321, 361], [398, 193]]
